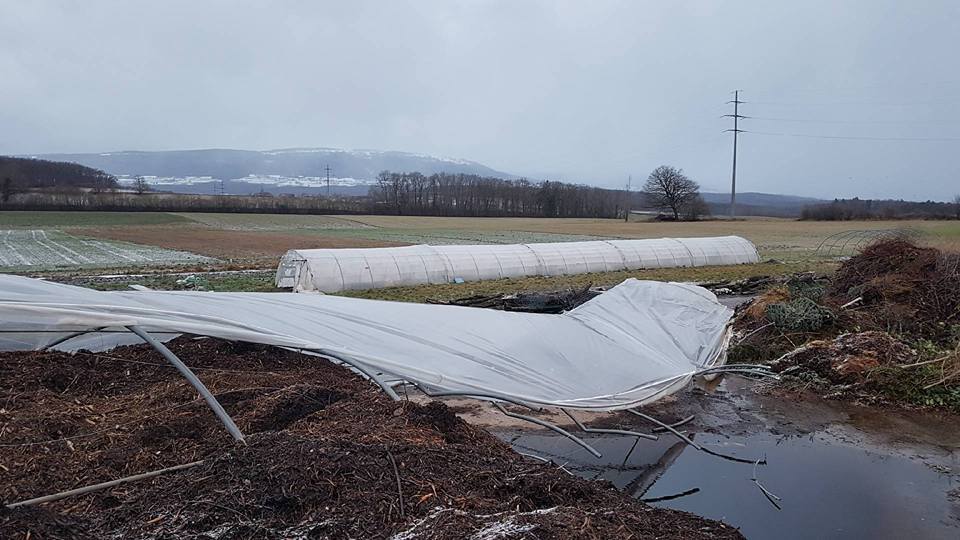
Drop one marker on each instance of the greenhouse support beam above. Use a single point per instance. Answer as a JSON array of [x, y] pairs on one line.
[[190, 376]]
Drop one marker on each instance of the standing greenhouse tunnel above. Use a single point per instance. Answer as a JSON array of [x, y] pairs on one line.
[[334, 270]]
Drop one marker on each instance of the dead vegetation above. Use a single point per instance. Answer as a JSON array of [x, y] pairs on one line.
[[905, 289], [884, 328], [327, 456]]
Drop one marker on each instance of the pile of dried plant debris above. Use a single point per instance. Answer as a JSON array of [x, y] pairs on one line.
[[883, 328], [327, 456]]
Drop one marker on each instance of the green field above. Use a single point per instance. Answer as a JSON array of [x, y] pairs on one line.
[[47, 220], [703, 274], [272, 222]]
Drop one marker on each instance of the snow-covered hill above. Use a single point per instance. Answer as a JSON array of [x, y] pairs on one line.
[[273, 170]]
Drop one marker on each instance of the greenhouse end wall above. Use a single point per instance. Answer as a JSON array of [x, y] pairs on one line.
[[333, 270]]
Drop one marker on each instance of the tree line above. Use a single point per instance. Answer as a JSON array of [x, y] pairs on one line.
[[77, 200], [19, 174], [859, 209], [32, 184], [443, 194]]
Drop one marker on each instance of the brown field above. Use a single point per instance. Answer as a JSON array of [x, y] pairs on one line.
[[246, 236], [229, 244]]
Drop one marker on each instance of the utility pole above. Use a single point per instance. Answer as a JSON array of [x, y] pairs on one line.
[[736, 131], [328, 180], [626, 208]]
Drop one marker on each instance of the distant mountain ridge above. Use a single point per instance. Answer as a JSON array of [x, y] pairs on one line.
[[302, 171], [226, 164]]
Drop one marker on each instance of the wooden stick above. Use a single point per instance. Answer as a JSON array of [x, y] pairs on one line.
[[104, 485]]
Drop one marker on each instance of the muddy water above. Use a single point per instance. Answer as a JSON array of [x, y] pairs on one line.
[[841, 472]]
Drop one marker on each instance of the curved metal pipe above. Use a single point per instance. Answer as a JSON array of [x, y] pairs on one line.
[[675, 424], [689, 441], [610, 431], [552, 427], [190, 376], [387, 389], [68, 337]]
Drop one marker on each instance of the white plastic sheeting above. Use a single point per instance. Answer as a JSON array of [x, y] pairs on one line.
[[631, 345], [332, 270]]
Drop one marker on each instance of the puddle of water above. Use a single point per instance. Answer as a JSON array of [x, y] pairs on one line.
[[830, 489]]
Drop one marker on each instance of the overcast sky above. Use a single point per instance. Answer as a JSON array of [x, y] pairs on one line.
[[588, 91]]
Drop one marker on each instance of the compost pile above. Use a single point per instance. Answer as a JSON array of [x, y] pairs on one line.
[[846, 359], [905, 289], [327, 456], [884, 327]]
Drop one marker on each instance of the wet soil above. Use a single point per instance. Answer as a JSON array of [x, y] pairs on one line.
[[327, 455]]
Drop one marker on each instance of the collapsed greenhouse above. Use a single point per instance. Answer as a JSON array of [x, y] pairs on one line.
[[631, 345], [637, 342], [333, 270]]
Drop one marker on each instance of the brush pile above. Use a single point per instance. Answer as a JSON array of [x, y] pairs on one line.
[[882, 328], [327, 456], [902, 288]]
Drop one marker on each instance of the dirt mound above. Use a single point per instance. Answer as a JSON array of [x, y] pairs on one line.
[[327, 456], [903, 288]]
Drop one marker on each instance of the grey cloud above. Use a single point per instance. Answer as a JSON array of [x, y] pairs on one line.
[[583, 91]]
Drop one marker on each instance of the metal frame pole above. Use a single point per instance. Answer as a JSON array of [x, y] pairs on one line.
[[190, 376], [387, 389], [68, 337], [586, 429], [552, 427]]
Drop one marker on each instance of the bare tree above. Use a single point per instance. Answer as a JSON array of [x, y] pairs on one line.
[[667, 188], [7, 190], [696, 209], [140, 185], [956, 206]]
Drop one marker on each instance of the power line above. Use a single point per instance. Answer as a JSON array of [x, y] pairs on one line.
[[856, 103], [854, 138], [817, 121]]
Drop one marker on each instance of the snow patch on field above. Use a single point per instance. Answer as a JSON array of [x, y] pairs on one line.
[[37, 248]]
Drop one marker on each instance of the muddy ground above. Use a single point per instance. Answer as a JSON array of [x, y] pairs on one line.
[[327, 456]]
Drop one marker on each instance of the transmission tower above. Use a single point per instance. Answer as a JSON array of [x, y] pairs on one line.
[[327, 168], [736, 131], [626, 217]]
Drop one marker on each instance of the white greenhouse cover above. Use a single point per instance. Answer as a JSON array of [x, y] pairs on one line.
[[332, 270], [631, 345]]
